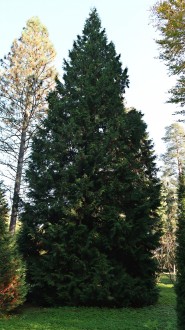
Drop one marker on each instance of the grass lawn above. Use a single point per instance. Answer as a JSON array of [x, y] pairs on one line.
[[159, 317]]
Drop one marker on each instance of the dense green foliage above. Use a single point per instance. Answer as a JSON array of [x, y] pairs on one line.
[[162, 316], [91, 226], [169, 20], [12, 277], [180, 286]]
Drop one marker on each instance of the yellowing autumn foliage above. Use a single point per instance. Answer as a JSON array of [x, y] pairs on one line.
[[27, 76]]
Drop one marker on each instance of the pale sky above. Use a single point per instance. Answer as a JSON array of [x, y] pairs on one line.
[[127, 24]]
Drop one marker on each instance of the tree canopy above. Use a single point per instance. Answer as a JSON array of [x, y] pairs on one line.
[[169, 19]]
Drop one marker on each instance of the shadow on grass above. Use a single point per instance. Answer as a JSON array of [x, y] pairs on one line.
[[162, 316]]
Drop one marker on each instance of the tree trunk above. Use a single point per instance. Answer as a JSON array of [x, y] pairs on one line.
[[17, 186]]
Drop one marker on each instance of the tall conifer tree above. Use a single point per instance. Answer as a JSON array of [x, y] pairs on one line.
[[90, 227], [27, 75], [180, 285]]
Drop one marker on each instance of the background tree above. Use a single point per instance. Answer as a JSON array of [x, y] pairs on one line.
[[174, 157], [168, 212], [180, 286], [27, 76], [173, 162], [90, 227], [169, 20], [12, 273]]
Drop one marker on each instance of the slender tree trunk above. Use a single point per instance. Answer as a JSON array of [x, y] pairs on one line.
[[17, 186]]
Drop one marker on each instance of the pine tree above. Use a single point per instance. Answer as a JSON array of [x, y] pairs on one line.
[[12, 273], [168, 214], [173, 162], [169, 21], [174, 156], [90, 227], [26, 78], [180, 285]]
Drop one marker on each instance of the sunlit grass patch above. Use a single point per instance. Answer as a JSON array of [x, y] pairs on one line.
[[162, 316]]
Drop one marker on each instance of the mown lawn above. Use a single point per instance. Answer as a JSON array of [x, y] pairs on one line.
[[159, 317]]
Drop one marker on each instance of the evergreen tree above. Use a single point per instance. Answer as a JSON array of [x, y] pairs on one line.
[[168, 211], [12, 273], [169, 21], [26, 78], [174, 156], [90, 227], [173, 162], [180, 255]]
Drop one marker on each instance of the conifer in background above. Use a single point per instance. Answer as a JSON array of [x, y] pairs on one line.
[[91, 226], [168, 18], [173, 160], [180, 255], [12, 272], [27, 75]]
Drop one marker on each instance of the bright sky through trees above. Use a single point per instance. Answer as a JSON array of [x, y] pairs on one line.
[[127, 25]]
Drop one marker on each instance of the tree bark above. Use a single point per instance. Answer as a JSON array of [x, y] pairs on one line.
[[17, 186]]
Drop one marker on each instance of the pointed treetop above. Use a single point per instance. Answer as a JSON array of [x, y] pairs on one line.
[[93, 21]]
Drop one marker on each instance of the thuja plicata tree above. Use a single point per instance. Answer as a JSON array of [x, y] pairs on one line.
[[13, 289], [90, 227], [180, 255]]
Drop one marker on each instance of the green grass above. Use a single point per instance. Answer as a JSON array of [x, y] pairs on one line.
[[159, 317]]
